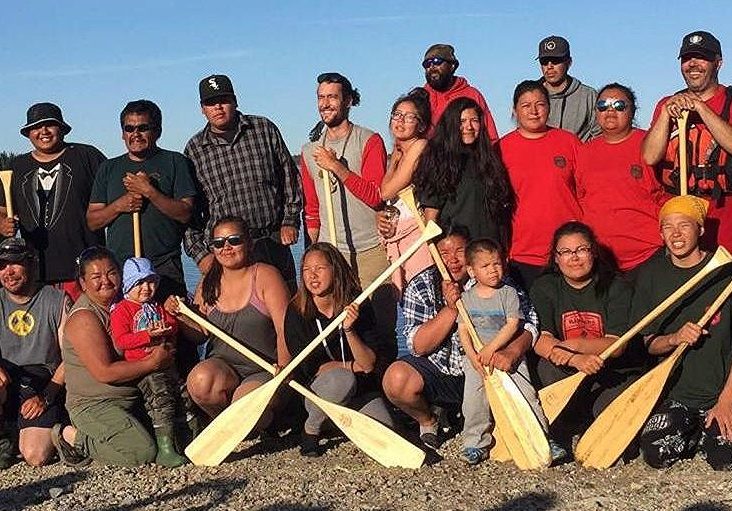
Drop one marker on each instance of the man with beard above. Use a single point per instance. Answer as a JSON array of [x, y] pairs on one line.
[[155, 182], [50, 193], [244, 169], [355, 158], [572, 103], [31, 370], [443, 86], [709, 139]]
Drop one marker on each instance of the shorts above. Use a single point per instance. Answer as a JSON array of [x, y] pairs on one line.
[[439, 388], [26, 382]]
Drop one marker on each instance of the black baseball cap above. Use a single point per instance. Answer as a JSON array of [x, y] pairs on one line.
[[702, 43], [553, 46], [215, 86], [44, 112], [14, 250]]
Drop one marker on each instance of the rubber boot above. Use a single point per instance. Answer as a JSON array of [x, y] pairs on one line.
[[167, 456]]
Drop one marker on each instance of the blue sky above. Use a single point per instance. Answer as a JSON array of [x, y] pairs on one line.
[[93, 57]]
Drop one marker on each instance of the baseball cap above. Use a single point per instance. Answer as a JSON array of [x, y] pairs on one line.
[[553, 46], [14, 250], [215, 86], [702, 43]]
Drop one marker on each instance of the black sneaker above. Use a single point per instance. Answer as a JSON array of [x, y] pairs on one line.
[[309, 446], [430, 440], [7, 456], [68, 453]]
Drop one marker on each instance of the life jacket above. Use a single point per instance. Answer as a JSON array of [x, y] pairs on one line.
[[709, 166]]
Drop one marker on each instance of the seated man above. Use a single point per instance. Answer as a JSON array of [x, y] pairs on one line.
[[432, 374], [695, 412], [31, 370]]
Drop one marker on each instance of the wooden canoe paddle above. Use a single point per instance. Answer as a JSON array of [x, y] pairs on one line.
[[372, 437], [520, 430], [137, 234], [556, 396], [6, 177], [233, 424], [683, 162], [329, 208], [613, 430]]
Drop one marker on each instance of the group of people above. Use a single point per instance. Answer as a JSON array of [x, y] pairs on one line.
[[557, 237]]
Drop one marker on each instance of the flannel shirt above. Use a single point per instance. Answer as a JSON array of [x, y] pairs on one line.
[[254, 177], [420, 305]]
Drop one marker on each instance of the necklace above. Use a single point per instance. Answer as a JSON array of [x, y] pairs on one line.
[[333, 179]]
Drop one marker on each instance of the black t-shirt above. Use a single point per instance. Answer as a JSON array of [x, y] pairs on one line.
[[299, 332], [171, 173], [702, 373], [569, 313], [54, 221]]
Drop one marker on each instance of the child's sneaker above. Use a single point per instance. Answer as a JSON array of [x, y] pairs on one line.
[[558, 452], [474, 455]]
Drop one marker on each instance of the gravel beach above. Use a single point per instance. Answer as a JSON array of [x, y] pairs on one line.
[[271, 475]]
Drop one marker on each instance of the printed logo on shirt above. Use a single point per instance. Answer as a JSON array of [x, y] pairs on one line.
[[21, 322], [587, 325], [636, 171], [560, 161]]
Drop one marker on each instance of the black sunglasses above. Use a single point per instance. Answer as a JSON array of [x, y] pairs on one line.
[[137, 128], [434, 61], [545, 61], [233, 240]]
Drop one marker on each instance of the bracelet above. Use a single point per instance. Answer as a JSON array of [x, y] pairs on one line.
[[349, 329]]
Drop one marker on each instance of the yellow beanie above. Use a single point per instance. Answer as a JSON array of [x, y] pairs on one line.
[[689, 205]]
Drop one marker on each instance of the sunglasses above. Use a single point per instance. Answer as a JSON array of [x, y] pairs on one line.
[[137, 128], [434, 61], [545, 61], [618, 105], [233, 240]]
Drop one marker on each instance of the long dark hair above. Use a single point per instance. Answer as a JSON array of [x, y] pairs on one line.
[[446, 157], [211, 286], [420, 98], [603, 268], [345, 286]]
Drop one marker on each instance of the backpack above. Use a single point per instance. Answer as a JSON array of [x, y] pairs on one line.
[[709, 166]]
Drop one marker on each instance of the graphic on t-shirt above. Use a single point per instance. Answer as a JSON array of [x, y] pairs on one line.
[[145, 318], [487, 321], [582, 324], [21, 322]]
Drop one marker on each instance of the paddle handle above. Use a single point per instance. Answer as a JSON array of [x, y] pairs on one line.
[[683, 162], [720, 258], [6, 177], [430, 232], [136, 234], [329, 208]]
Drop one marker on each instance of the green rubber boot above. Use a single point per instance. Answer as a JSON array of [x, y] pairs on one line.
[[167, 456]]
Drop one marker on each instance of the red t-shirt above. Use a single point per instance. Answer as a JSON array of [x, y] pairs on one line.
[[129, 327], [718, 227], [541, 171], [620, 197]]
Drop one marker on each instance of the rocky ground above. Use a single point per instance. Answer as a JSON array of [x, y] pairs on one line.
[[271, 476]]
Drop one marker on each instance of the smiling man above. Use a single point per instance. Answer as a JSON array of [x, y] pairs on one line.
[[50, 193], [709, 134], [155, 182]]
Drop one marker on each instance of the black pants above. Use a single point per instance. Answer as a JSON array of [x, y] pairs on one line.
[[160, 391], [676, 431], [269, 251]]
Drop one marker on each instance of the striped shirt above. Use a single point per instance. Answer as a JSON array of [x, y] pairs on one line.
[[254, 177], [421, 304]]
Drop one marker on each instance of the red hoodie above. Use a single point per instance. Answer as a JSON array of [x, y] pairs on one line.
[[460, 89]]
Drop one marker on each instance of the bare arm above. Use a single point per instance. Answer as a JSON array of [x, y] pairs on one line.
[[364, 357], [100, 215], [276, 296], [400, 175], [179, 210], [655, 143]]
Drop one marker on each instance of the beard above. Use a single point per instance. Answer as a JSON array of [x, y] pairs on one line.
[[441, 82]]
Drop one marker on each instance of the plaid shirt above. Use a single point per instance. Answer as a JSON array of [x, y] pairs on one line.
[[421, 305], [254, 177]]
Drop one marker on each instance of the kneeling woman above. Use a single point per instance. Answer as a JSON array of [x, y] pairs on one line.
[[347, 367], [583, 307]]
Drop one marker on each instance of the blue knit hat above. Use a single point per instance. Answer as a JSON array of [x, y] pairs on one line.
[[135, 270]]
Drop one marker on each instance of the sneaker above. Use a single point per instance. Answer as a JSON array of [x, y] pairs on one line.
[[69, 455], [474, 455], [309, 445], [431, 440], [558, 452]]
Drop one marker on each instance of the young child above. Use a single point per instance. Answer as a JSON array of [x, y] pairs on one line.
[[495, 312], [137, 323]]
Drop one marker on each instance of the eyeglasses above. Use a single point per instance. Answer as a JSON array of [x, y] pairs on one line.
[[545, 61], [619, 105], [407, 117], [233, 240], [434, 61], [137, 128], [581, 252]]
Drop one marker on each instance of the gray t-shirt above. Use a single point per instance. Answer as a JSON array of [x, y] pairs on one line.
[[489, 315]]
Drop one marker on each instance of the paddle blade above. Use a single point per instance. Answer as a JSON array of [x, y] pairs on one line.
[[613, 430], [524, 437], [555, 397], [230, 427], [499, 451], [372, 437]]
